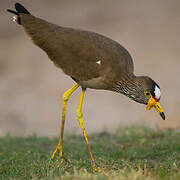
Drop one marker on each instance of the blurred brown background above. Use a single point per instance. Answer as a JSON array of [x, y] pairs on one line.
[[31, 87]]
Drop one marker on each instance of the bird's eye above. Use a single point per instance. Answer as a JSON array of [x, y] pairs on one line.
[[147, 93]]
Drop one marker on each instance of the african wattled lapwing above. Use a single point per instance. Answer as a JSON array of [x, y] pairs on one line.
[[92, 61]]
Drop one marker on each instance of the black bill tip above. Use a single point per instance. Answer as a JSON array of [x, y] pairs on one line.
[[162, 115]]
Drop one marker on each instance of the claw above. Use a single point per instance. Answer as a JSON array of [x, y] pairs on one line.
[[99, 170], [59, 149], [95, 169]]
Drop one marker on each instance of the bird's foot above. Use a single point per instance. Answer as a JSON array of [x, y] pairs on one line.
[[61, 154], [95, 168], [98, 170]]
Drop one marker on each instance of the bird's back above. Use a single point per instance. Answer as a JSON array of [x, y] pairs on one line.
[[80, 54]]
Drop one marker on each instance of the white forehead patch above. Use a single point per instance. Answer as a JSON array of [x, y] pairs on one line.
[[157, 92], [98, 62]]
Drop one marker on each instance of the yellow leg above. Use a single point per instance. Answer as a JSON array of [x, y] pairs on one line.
[[79, 116], [65, 99]]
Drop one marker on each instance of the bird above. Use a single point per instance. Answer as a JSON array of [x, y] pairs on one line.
[[92, 61]]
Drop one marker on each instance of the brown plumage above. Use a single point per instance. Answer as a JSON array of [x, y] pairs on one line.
[[92, 60], [77, 52]]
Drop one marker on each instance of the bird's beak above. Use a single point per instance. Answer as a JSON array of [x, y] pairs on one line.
[[153, 103]]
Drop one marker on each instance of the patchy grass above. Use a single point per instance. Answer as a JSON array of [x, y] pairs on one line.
[[129, 154]]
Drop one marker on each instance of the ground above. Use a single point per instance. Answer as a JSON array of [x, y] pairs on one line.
[[131, 153]]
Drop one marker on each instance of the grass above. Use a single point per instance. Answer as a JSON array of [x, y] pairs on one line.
[[129, 154]]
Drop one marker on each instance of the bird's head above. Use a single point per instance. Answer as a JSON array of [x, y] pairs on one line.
[[142, 89], [149, 93]]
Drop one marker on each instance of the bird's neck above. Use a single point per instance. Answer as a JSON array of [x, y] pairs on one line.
[[129, 86]]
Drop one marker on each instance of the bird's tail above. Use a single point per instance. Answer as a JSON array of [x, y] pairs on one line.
[[19, 10]]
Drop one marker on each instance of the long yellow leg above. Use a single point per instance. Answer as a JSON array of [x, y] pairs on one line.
[[65, 99], [79, 116]]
